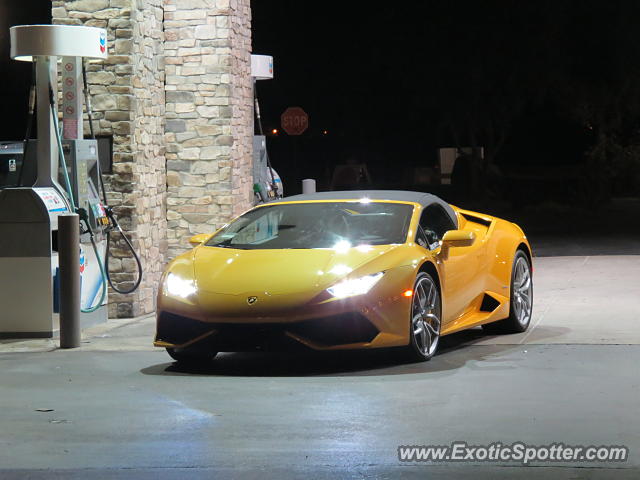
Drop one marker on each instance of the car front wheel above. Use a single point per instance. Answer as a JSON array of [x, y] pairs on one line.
[[426, 316]]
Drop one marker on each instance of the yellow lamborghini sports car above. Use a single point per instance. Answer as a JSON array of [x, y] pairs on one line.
[[345, 270]]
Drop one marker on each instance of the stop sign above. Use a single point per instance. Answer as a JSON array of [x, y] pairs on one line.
[[294, 121]]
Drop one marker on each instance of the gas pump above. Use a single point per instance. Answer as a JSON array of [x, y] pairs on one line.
[[66, 179], [267, 184]]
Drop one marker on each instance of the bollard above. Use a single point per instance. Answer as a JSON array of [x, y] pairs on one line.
[[69, 262], [308, 186]]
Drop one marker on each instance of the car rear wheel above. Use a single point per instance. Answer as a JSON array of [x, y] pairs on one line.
[[426, 314], [521, 302], [188, 356]]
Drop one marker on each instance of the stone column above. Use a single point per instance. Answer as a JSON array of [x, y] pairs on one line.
[[209, 115], [128, 102], [189, 132]]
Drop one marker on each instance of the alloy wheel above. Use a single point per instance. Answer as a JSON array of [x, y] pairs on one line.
[[426, 316], [522, 291]]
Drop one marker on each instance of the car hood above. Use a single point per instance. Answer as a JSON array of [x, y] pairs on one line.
[[276, 272]]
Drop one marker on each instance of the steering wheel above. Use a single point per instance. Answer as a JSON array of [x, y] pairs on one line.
[[431, 235]]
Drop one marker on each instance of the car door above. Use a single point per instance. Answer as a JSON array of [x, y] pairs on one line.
[[458, 265]]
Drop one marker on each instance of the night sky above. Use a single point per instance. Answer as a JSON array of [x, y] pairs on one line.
[[16, 76], [535, 83]]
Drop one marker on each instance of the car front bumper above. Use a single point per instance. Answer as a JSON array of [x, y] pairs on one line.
[[347, 330], [379, 318]]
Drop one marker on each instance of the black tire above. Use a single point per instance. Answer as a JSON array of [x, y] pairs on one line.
[[515, 322], [424, 321], [191, 357]]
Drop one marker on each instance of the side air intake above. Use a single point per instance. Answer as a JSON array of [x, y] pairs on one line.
[[489, 304]]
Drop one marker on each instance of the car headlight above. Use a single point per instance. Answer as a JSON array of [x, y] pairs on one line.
[[179, 287], [354, 286]]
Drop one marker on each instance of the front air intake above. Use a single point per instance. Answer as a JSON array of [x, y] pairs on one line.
[[178, 330], [339, 329]]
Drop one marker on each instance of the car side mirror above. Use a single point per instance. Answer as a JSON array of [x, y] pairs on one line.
[[458, 238], [199, 238]]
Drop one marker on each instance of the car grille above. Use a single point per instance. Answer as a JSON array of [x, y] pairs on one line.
[[336, 330], [178, 330], [329, 331]]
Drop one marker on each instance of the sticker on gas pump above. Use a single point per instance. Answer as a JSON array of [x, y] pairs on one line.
[[83, 261], [12, 164]]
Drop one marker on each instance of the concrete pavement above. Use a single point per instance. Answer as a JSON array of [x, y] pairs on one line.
[[121, 409]]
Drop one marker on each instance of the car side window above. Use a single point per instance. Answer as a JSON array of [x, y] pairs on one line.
[[421, 238], [435, 221]]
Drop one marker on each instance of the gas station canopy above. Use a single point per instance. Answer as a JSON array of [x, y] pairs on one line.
[[28, 41]]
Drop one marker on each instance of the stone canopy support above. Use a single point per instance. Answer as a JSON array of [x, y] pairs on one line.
[[176, 96], [209, 115]]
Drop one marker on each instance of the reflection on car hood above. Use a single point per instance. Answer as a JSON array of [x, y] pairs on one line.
[[234, 272]]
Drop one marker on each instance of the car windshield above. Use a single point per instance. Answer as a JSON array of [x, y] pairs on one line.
[[317, 225]]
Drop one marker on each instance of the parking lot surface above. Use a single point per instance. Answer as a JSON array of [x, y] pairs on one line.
[[118, 408]]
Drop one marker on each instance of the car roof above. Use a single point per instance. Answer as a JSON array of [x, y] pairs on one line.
[[422, 198]]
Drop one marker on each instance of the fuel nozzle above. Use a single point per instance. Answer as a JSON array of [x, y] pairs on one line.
[[111, 216], [84, 218]]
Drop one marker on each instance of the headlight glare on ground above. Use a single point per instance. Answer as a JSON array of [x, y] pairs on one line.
[[354, 286]]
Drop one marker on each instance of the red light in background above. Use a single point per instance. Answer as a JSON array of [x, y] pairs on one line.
[[407, 293]]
